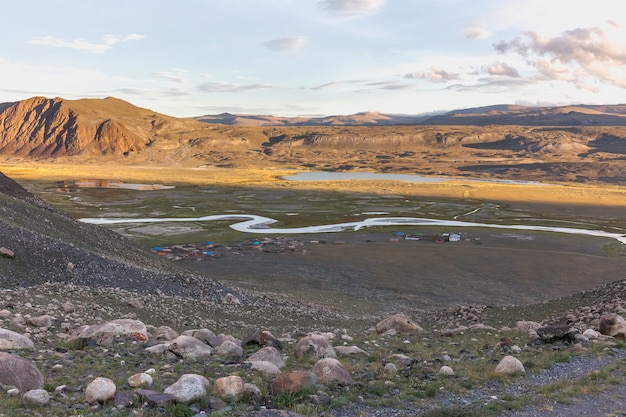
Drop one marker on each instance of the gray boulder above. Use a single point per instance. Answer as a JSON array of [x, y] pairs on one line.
[[20, 373]]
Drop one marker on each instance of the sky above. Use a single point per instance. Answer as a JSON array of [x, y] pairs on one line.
[[315, 57]]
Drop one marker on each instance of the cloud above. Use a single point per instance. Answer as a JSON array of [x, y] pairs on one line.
[[177, 75], [502, 69], [390, 85], [434, 75], [579, 56], [475, 31], [107, 42], [336, 83], [351, 7], [288, 44], [223, 87], [491, 85]]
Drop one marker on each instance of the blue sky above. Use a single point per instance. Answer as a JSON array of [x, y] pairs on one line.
[[315, 57]]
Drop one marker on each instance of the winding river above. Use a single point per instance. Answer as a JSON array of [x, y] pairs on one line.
[[251, 223]]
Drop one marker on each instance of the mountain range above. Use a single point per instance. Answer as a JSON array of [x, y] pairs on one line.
[[571, 143], [575, 115]]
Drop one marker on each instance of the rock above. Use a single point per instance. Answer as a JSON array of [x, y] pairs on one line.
[[204, 335], [229, 349], [268, 354], [159, 399], [510, 365], [331, 371], [5, 314], [230, 299], [613, 325], [103, 334], [160, 348], [262, 338], [349, 350], [314, 345], [165, 333], [41, 321], [275, 413], [19, 373], [252, 391], [68, 307], [482, 327], [188, 388], [557, 332], [229, 388], [398, 322], [293, 382], [446, 371], [454, 331], [135, 303], [141, 379], [12, 340], [123, 399], [527, 326], [265, 367], [36, 397], [390, 369], [189, 347], [6, 253], [100, 390], [591, 334]]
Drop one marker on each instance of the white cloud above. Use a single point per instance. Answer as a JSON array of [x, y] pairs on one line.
[[434, 75], [287, 44], [476, 31], [502, 69], [177, 75], [223, 87], [106, 43], [580, 55], [352, 7]]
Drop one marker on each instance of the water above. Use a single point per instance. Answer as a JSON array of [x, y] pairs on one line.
[[260, 224], [339, 176]]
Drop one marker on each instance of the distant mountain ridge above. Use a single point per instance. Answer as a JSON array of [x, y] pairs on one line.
[[503, 114]]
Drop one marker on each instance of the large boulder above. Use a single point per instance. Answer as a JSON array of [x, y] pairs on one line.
[[268, 354], [314, 345], [204, 335], [105, 333], [229, 388], [19, 373], [331, 371], [264, 367], [229, 349], [100, 390], [188, 388], [613, 325], [399, 323], [510, 365], [189, 347], [11, 340], [262, 338]]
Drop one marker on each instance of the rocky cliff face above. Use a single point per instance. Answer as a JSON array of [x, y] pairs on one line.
[[41, 127]]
